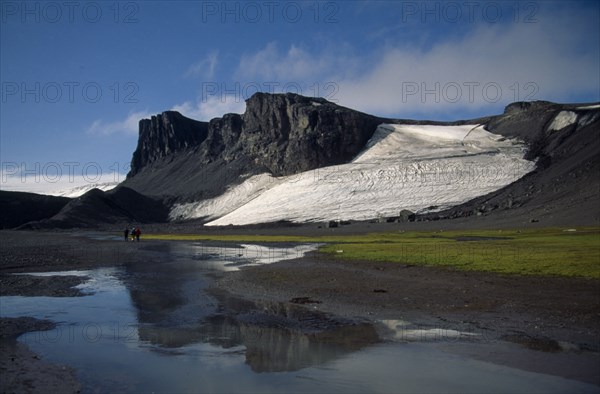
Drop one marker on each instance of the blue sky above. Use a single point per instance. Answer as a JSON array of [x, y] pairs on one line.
[[77, 76]]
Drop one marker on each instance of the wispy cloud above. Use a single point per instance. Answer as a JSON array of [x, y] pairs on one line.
[[295, 64], [490, 66], [204, 68], [211, 107], [129, 125]]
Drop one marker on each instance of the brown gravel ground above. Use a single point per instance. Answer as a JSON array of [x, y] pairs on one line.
[[544, 324]]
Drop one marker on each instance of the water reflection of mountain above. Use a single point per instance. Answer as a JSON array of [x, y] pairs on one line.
[[276, 349], [175, 310], [268, 349]]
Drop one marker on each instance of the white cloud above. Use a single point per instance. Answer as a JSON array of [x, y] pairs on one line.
[[204, 68], [129, 125], [270, 63], [211, 107], [490, 66], [294, 65]]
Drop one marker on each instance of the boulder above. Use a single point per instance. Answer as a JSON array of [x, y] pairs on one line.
[[406, 216]]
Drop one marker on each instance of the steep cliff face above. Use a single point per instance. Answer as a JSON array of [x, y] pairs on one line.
[[163, 135], [282, 134], [290, 133]]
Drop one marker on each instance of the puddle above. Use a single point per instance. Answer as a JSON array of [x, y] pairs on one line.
[[158, 327]]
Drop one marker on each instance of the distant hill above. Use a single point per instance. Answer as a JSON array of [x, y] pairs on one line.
[[120, 205], [17, 208]]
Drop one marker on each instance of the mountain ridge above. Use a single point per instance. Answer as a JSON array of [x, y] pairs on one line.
[[280, 134], [179, 160]]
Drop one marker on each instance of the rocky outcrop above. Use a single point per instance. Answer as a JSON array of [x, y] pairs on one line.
[[283, 134], [288, 133], [163, 135]]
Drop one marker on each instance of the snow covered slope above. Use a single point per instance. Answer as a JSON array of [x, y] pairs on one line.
[[414, 167]]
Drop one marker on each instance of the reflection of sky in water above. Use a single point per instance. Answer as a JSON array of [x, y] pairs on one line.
[[108, 339], [232, 258]]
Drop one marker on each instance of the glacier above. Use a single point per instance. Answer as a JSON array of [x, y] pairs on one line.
[[421, 168]]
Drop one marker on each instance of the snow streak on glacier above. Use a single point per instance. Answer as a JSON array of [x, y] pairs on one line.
[[415, 167]]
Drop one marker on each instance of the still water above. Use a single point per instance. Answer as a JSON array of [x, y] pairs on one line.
[[159, 327]]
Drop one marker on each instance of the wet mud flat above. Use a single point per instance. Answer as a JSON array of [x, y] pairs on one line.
[[543, 324], [21, 370], [295, 314], [37, 286]]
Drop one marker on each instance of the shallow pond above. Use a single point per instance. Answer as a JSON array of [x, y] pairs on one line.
[[158, 327]]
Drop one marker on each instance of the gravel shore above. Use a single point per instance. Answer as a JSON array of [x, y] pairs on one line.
[[22, 371]]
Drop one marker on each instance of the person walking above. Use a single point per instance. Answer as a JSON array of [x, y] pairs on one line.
[[138, 232], [126, 232]]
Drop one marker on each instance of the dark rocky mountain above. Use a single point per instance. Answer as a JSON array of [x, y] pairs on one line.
[[180, 159], [279, 133], [163, 135], [286, 134], [17, 208]]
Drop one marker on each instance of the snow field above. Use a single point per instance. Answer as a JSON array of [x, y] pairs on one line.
[[562, 120], [414, 167]]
